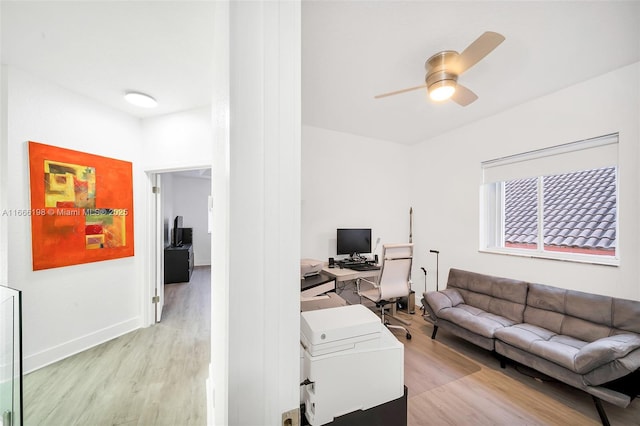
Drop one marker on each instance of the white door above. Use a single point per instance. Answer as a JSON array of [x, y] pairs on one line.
[[157, 240]]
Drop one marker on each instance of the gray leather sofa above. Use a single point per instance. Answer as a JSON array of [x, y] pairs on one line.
[[588, 341]]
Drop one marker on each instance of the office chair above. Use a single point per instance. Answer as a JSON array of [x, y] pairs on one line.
[[393, 281]]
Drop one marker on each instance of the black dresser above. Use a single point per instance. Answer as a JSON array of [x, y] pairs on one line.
[[178, 264]]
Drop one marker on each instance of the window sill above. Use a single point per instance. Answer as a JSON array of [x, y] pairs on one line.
[[575, 258]]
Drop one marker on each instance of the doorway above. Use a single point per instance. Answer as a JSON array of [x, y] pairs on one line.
[[186, 194]]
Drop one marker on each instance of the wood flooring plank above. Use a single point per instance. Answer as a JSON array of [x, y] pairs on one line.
[[151, 376], [488, 394], [157, 376]]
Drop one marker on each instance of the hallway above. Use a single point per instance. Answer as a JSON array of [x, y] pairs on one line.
[[151, 376]]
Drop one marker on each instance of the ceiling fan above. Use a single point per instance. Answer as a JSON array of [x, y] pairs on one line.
[[444, 68]]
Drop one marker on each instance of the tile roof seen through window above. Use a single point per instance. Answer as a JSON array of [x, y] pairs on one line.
[[579, 212]]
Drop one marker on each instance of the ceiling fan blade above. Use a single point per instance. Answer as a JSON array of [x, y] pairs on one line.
[[477, 50], [397, 92], [463, 96]]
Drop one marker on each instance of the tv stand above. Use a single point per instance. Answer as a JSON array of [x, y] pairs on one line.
[[178, 264]]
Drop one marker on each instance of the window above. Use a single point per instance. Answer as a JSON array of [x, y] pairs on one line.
[[559, 202]]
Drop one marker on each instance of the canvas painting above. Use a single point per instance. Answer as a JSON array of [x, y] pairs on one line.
[[81, 207]]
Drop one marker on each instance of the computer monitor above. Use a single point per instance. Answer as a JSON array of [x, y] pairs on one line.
[[352, 240]]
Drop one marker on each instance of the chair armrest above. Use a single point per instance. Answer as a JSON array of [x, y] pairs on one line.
[[605, 350], [368, 281], [375, 285]]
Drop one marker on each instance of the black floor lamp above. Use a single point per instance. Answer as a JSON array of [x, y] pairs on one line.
[[437, 265]]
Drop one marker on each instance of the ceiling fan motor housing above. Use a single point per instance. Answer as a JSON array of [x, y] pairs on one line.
[[439, 68]]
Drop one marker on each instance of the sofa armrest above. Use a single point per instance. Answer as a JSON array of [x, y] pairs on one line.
[[438, 300], [605, 350]]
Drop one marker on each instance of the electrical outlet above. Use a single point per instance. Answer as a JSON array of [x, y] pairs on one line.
[[291, 417]]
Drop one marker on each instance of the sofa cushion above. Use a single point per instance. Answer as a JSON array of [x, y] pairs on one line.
[[546, 297], [500, 296], [479, 300], [585, 316], [523, 335], [605, 350], [626, 314], [502, 288], [544, 343], [590, 307], [548, 320], [583, 329], [475, 320], [574, 354]]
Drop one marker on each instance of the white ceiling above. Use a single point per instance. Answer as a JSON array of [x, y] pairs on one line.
[[103, 48], [355, 50], [351, 51]]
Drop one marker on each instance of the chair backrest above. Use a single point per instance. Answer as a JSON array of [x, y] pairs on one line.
[[396, 270]]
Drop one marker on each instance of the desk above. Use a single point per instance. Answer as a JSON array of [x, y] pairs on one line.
[[317, 284], [318, 292], [346, 274], [324, 301]]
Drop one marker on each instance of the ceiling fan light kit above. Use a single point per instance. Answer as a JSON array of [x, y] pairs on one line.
[[442, 90], [444, 68]]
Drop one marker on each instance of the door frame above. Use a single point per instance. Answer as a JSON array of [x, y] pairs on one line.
[[155, 249]]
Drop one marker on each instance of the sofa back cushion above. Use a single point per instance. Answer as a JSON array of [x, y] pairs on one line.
[[499, 296], [585, 316], [626, 315]]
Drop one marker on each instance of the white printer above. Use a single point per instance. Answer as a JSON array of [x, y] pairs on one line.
[[350, 362]]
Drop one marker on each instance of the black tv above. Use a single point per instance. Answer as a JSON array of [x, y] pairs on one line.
[[353, 241], [177, 232]]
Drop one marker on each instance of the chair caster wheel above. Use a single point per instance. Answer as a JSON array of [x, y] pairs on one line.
[[408, 336]]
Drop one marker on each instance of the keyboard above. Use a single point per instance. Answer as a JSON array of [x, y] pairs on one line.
[[362, 267]]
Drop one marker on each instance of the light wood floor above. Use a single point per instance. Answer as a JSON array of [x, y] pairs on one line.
[[151, 376], [156, 376], [452, 382]]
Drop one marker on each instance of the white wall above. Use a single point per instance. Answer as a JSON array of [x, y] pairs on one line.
[[178, 141], [182, 141], [447, 179], [190, 199], [350, 181], [219, 402], [66, 310], [257, 171], [4, 177], [70, 309]]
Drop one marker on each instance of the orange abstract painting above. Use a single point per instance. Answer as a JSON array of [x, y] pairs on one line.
[[81, 207]]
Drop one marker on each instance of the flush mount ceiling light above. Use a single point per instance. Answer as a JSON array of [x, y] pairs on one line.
[[140, 99]]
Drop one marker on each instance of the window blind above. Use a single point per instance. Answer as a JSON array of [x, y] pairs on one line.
[[571, 157]]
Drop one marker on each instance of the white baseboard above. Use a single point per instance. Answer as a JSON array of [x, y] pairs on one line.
[[53, 354]]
